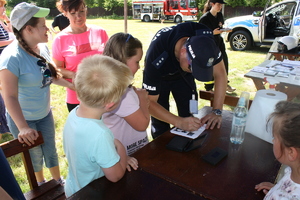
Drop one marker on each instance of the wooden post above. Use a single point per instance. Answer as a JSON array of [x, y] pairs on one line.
[[125, 16]]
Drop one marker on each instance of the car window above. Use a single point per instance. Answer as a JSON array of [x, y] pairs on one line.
[[192, 4], [297, 11], [282, 9]]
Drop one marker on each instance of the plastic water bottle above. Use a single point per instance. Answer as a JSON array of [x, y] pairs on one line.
[[237, 134]]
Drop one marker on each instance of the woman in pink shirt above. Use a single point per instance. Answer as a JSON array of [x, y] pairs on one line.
[[76, 42]]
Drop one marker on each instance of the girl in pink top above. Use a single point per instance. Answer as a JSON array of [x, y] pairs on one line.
[[76, 42]]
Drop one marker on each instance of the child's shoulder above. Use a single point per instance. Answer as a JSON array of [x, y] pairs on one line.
[[84, 123]]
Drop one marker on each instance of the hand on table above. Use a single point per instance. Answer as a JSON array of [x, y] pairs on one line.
[[265, 186], [28, 135], [212, 120], [189, 123], [131, 163]]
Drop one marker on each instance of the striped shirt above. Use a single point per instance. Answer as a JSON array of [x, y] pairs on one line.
[[3, 36]]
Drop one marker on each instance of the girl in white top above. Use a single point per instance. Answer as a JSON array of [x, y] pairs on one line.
[[130, 119], [286, 148]]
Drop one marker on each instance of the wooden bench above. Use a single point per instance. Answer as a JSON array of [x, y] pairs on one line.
[[229, 100], [49, 190]]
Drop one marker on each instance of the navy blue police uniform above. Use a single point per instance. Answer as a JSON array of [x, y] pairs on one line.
[[215, 22], [163, 75]]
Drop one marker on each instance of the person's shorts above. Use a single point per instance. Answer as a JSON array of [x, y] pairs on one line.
[[46, 151]]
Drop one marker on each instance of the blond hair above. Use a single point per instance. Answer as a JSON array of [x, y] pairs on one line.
[[2, 3], [101, 79]]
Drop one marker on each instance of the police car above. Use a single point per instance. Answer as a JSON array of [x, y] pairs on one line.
[[261, 28]]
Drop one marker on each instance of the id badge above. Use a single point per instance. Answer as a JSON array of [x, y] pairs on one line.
[[193, 105]]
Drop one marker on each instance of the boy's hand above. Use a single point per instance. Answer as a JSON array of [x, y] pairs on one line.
[[265, 186], [131, 163]]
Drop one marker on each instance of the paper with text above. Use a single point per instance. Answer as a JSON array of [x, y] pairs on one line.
[[188, 134]]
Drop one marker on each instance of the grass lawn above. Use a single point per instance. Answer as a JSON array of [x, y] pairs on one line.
[[239, 64]]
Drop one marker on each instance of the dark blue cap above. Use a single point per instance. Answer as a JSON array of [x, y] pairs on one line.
[[217, 1], [203, 52]]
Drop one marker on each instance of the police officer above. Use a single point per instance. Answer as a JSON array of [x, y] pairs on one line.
[[176, 56]]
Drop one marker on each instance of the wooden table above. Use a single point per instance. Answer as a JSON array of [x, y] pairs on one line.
[[134, 185], [290, 55], [166, 174], [293, 54], [286, 85]]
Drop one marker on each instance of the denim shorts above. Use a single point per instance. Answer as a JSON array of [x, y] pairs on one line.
[[46, 151]]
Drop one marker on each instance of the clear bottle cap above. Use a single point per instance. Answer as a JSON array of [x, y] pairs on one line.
[[246, 97], [241, 101]]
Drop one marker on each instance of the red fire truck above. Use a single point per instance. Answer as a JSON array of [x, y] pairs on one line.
[[175, 10]]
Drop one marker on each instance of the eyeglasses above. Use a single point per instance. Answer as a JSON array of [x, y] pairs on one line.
[[47, 79], [188, 58]]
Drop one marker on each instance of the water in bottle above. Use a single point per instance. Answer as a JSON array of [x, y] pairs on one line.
[[237, 134]]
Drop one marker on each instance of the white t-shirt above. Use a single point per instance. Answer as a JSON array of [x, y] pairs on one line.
[[132, 139], [285, 189]]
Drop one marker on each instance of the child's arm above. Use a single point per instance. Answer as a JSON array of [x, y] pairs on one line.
[[265, 186], [63, 82], [132, 162], [139, 120], [116, 172]]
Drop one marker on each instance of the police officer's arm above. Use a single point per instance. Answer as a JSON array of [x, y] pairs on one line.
[[159, 112], [220, 77]]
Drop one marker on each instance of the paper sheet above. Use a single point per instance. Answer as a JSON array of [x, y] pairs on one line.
[[188, 134], [279, 68]]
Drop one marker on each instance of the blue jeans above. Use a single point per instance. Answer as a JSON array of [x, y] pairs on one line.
[[7, 179], [45, 152]]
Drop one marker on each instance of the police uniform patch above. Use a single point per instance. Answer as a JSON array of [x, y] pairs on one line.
[[160, 60]]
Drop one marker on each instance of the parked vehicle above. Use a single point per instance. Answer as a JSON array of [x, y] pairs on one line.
[[175, 10], [261, 28]]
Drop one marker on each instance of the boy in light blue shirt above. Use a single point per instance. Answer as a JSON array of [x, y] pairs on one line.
[[90, 147]]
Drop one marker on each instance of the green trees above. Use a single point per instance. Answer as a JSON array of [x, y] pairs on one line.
[[234, 3], [111, 4], [107, 4], [42, 3]]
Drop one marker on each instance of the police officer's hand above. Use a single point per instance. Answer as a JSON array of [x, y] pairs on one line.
[[189, 123], [212, 120]]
